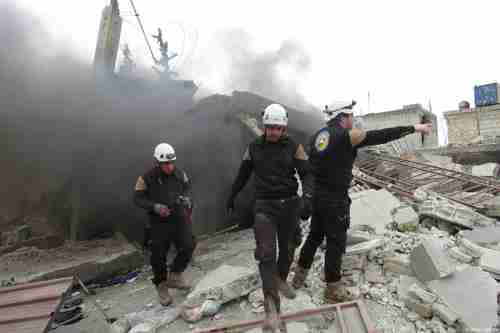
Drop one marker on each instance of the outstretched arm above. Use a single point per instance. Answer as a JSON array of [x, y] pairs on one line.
[[360, 138], [244, 174]]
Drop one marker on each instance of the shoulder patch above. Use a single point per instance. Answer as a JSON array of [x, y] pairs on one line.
[[140, 185], [322, 140]]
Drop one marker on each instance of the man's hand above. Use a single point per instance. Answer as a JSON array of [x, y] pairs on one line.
[[162, 210], [229, 206], [423, 128]]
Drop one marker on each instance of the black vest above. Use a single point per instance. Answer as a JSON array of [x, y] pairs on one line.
[[332, 158], [274, 168]]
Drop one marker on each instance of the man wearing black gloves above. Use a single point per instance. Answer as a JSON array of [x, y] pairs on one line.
[[333, 150], [164, 193], [274, 158]]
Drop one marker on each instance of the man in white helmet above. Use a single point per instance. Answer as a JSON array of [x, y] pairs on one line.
[[163, 192], [333, 150], [274, 159]]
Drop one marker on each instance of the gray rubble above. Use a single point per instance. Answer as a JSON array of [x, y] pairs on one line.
[[483, 236], [471, 293], [486, 170], [373, 209], [429, 262]]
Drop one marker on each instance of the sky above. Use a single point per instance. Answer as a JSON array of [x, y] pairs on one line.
[[384, 54]]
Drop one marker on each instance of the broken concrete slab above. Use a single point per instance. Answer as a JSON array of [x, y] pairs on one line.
[[143, 328], [156, 317], [492, 207], [471, 293], [483, 236], [122, 325], [405, 219], [373, 209], [429, 261], [485, 170], [357, 236], [440, 208], [353, 262], [223, 285], [364, 247]]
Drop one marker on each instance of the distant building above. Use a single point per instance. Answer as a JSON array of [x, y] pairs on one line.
[[408, 115], [473, 125]]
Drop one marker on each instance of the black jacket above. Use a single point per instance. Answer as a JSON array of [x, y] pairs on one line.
[[274, 166], [156, 187], [332, 155]]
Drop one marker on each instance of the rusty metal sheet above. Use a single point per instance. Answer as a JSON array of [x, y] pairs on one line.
[[27, 308]]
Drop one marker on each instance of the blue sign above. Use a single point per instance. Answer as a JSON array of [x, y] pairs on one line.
[[486, 94]]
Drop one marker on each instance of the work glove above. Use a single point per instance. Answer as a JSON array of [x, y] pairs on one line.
[[306, 208], [230, 206], [161, 210]]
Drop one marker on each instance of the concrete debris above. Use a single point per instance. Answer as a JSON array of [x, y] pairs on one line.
[[399, 265], [155, 317], [223, 285], [373, 209], [440, 208], [492, 207], [486, 170], [417, 292], [471, 293], [403, 286], [483, 236], [490, 261], [429, 261], [357, 236], [122, 325], [458, 255], [470, 248], [422, 309], [143, 328], [405, 219], [445, 313], [364, 247]]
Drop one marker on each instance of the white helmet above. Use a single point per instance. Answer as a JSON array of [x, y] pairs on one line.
[[331, 111], [164, 153], [275, 114]]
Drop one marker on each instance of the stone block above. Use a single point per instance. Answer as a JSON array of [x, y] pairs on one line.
[[471, 293], [429, 261], [470, 248], [223, 285], [405, 282], [373, 209]]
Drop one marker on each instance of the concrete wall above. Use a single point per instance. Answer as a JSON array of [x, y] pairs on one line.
[[408, 115], [478, 125]]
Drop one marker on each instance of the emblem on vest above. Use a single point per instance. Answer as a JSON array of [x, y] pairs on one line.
[[322, 141]]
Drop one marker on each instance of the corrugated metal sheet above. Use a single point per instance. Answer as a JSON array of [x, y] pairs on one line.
[[27, 308]]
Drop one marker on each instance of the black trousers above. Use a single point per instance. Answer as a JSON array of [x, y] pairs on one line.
[[163, 234], [331, 218], [275, 219]]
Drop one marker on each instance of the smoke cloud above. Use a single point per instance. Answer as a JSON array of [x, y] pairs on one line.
[[73, 147]]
